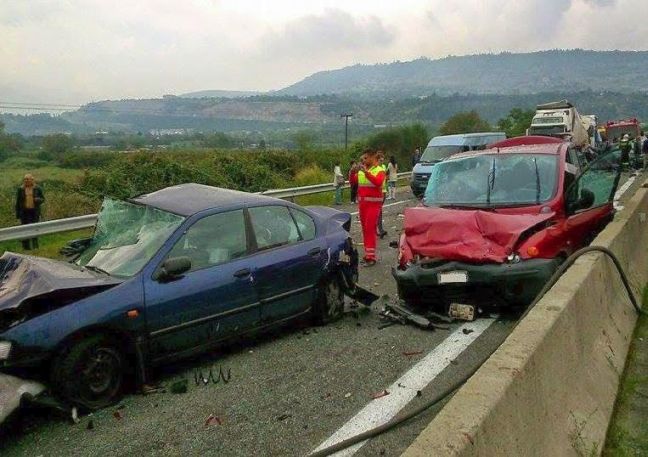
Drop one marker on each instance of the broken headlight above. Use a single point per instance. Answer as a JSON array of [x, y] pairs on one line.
[[5, 349]]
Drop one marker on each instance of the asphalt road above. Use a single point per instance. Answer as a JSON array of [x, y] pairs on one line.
[[290, 390]]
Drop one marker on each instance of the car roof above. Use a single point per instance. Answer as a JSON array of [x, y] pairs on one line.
[[462, 138], [547, 148], [191, 198]]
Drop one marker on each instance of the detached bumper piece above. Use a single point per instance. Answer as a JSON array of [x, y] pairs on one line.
[[12, 391], [453, 282], [398, 313]]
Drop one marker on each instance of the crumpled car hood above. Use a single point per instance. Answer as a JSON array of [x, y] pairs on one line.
[[23, 277], [466, 235]]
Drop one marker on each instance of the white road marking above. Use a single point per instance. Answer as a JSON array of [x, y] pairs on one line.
[[386, 206], [382, 410], [622, 190]]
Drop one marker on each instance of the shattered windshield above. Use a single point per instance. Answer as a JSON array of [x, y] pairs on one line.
[[437, 153], [126, 237], [493, 180]]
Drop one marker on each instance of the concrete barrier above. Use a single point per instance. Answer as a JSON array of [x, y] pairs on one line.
[[549, 390]]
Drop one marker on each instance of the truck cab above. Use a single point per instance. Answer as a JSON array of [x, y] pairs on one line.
[[442, 147]]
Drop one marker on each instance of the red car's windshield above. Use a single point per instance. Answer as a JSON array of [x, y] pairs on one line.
[[493, 180]]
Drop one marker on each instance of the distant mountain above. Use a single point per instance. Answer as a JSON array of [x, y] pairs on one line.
[[505, 73], [220, 94]]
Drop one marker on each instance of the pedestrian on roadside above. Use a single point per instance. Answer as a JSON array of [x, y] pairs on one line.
[[380, 230], [29, 198], [338, 182], [416, 156], [644, 151], [354, 168], [392, 175], [370, 196], [625, 146]]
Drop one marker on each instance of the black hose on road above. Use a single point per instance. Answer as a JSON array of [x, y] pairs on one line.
[[401, 418]]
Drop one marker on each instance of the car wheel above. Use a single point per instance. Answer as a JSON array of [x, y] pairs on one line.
[[91, 373], [330, 302]]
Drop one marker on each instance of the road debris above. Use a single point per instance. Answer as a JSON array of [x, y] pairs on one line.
[[90, 425], [380, 394], [347, 395], [283, 417], [211, 420], [204, 378], [462, 312], [118, 415], [411, 353], [467, 331], [180, 387], [398, 312], [148, 389], [393, 244]]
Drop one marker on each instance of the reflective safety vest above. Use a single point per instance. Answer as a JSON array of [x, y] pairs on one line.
[[371, 190]]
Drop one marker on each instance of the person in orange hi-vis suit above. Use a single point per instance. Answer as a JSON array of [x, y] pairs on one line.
[[370, 198]]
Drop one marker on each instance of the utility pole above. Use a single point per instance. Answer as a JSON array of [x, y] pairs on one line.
[[346, 117]]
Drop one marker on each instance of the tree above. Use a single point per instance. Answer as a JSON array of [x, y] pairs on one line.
[[516, 123], [464, 122], [9, 143], [54, 146]]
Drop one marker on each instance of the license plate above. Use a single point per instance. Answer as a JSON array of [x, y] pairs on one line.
[[450, 277]]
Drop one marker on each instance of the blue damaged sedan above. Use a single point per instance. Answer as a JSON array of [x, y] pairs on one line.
[[166, 275]]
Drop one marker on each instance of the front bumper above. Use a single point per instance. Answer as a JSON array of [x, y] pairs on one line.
[[418, 188], [494, 284], [12, 390]]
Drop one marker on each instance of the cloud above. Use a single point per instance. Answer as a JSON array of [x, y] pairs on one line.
[[330, 32], [601, 2]]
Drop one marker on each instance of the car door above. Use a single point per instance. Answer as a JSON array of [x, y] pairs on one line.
[[289, 260], [215, 299], [589, 201]]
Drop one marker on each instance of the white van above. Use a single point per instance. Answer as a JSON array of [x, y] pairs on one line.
[[442, 147]]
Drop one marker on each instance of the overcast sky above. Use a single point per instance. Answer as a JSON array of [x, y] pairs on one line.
[[75, 51]]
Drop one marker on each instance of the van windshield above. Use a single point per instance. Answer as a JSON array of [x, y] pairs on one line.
[[433, 154], [546, 130], [493, 180]]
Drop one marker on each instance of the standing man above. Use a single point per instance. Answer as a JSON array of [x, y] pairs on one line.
[[370, 196], [29, 199], [416, 157], [353, 180], [338, 182]]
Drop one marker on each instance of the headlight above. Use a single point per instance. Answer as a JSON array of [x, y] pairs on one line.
[[5, 349]]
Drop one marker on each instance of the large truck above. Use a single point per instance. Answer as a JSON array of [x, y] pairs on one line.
[[560, 119], [614, 130]]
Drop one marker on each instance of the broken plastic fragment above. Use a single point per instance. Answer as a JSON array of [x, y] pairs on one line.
[[382, 393]]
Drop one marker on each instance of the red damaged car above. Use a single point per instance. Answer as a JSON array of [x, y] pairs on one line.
[[495, 224]]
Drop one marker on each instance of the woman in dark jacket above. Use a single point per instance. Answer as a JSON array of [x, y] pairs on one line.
[[29, 198]]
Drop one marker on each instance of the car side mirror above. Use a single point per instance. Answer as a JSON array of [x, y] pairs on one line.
[[172, 268], [585, 201]]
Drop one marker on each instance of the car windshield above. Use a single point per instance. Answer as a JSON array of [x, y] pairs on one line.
[[437, 153], [493, 180], [126, 237]]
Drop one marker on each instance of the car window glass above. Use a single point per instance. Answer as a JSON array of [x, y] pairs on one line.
[[213, 240], [596, 186], [273, 226], [305, 224]]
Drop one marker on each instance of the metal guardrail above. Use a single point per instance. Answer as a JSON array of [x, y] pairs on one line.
[[21, 232]]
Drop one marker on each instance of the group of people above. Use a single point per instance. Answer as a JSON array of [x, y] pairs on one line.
[[372, 182], [639, 145]]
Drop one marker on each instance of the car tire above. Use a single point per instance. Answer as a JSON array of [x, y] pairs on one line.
[[329, 305], [90, 374]]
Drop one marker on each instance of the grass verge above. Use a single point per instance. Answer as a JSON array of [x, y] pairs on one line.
[[628, 432], [49, 245]]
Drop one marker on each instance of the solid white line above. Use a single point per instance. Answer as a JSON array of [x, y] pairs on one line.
[[386, 206], [619, 193], [382, 410]]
